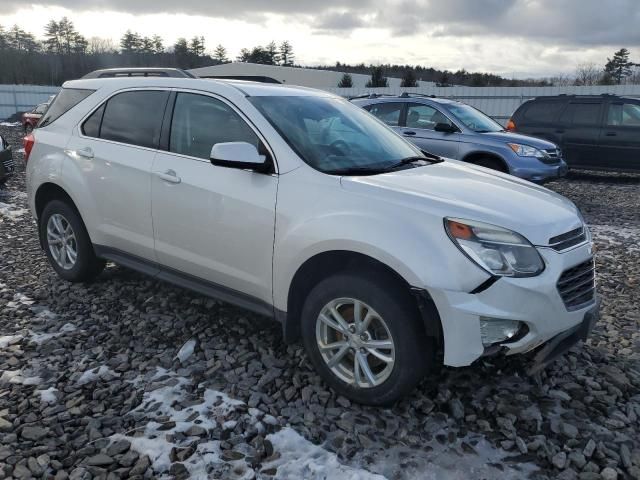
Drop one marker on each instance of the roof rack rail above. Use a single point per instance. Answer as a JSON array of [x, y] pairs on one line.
[[139, 72], [372, 95], [409, 94]]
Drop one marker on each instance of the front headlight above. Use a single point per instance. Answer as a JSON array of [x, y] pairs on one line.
[[497, 250], [525, 150]]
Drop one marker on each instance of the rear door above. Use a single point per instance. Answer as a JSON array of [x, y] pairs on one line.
[[115, 150], [620, 138], [419, 123], [389, 112], [579, 128]]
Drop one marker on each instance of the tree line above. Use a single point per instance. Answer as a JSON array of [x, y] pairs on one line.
[[618, 69], [65, 54]]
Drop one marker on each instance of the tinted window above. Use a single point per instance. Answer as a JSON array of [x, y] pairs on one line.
[[389, 113], [62, 103], [134, 117], [91, 126], [587, 114], [543, 111], [199, 122], [624, 115]]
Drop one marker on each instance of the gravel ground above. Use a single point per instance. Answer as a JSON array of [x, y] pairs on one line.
[[129, 377]]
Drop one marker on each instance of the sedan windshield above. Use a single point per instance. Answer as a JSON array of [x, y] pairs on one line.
[[335, 136], [475, 119]]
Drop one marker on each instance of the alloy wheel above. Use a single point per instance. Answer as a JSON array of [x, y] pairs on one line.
[[62, 242]]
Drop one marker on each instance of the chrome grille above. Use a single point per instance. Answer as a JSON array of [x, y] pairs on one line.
[[551, 156], [569, 239], [577, 285]]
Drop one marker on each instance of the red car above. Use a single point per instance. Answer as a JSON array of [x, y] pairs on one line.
[[30, 119]]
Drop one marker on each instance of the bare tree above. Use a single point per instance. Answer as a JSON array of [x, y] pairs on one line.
[[561, 80], [588, 74], [98, 46]]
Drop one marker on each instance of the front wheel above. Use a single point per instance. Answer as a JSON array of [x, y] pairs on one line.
[[67, 243], [364, 338]]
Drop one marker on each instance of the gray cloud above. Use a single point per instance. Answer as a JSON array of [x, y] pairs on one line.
[[562, 22]]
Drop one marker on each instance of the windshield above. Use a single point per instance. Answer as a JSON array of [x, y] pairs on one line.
[[475, 119], [331, 134]]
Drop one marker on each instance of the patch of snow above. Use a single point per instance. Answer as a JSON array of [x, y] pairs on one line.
[[22, 150], [10, 124], [20, 299], [161, 402], [16, 376], [40, 338], [11, 211], [7, 340], [300, 458], [186, 351], [99, 373], [48, 395]]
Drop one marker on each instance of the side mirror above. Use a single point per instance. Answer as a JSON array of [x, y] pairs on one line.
[[241, 155], [445, 128]]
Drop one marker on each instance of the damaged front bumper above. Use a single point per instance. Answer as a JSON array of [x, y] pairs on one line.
[[562, 342]]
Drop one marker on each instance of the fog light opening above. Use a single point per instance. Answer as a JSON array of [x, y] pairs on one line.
[[496, 330]]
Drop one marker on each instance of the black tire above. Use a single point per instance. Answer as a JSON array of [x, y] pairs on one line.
[[414, 351], [491, 163], [87, 266]]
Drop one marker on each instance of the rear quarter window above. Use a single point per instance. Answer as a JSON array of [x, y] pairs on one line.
[[62, 103], [542, 111]]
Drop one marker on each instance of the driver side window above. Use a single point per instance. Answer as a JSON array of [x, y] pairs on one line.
[[199, 122], [424, 117]]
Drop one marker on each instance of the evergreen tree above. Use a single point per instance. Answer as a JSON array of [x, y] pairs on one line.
[[286, 54], [272, 52], [220, 54], [346, 81], [409, 78], [130, 42], [377, 78], [157, 44], [619, 67], [196, 46]]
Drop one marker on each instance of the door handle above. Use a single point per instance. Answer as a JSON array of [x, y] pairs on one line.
[[611, 134], [169, 176], [83, 152], [409, 133]]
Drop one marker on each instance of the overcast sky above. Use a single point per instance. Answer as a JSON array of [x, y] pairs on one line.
[[518, 38]]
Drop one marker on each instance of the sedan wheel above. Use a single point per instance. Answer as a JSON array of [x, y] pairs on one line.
[[355, 342]]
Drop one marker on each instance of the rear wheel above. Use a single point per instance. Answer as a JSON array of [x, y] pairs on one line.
[[67, 244], [491, 163], [364, 338]]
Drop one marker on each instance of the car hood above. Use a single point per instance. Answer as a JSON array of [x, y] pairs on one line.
[[457, 189], [519, 138]]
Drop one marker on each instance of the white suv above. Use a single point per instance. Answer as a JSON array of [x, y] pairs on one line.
[[298, 205]]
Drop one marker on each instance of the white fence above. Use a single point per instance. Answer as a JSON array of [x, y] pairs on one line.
[[497, 102], [20, 98]]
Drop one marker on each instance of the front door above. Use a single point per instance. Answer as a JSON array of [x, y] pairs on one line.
[[419, 128], [210, 222]]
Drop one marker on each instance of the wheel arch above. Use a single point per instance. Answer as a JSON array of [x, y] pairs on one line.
[[324, 264], [473, 157], [47, 192]]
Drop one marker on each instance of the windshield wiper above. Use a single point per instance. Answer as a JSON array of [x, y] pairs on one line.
[[417, 158], [376, 170]]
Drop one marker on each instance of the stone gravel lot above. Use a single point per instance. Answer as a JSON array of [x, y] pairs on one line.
[[133, 378]]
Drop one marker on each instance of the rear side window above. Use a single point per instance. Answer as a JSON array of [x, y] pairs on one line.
[[584, 114], [91, 127], [624, 115], [62, 103], [389, 113], [543, 111], [131, 117]]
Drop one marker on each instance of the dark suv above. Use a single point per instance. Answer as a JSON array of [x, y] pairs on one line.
[[6, 161], [595, 132]]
